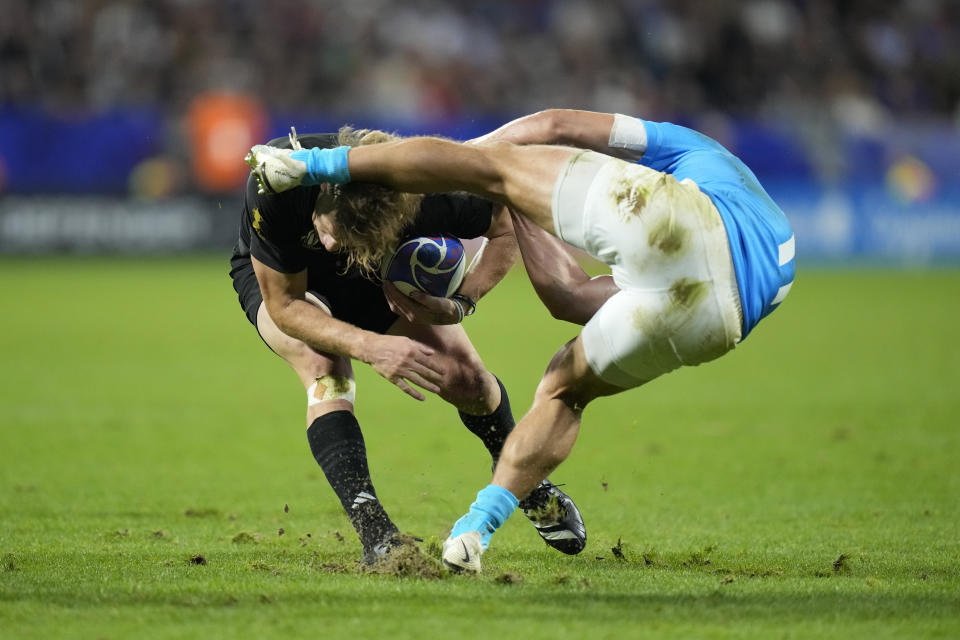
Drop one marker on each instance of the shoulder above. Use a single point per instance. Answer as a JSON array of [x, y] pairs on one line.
[[460, 214], [272, 215]]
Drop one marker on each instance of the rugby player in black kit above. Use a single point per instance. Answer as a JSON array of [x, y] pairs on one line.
[[320, 313]]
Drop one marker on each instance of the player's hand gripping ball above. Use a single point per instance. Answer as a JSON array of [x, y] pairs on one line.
[[432, 264]]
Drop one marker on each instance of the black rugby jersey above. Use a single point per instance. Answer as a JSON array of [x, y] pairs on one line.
[[278, 229]]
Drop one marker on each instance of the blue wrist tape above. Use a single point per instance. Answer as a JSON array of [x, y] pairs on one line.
[[324, 165]]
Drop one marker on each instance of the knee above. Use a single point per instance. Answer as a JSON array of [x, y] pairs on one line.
[[560, 382], [465, 383]]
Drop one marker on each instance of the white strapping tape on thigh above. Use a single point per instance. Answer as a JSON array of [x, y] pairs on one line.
[[331, 388], [628, 134]]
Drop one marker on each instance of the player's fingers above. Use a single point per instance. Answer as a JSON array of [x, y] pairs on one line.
[[394, 297], [401, 305], [406, 314], [407, 389], [433, 303], [390, 291], [429, 368], [402, 310], [429, 372], [424, 380], [424, 352]]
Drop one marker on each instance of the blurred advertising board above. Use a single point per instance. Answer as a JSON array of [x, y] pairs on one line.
[[115, 182]]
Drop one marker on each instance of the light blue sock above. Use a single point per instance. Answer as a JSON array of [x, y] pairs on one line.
[[493, 506], [324, 165]]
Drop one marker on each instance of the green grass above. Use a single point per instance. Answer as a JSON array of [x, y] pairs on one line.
[[803, 486]]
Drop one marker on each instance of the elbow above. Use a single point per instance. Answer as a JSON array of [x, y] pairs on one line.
[[277, 310], [568, 313], [551, 122], [559, 313], [557, 302]]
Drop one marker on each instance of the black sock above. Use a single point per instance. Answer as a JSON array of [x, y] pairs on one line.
[[492, 429], [337, 444]]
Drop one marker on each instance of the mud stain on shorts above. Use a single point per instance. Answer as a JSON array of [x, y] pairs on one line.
[[686, 293], [629, 197], [668, 236]]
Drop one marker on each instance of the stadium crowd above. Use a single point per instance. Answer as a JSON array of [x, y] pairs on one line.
[[858, 61]]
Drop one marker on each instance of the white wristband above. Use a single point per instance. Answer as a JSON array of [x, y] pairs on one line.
[[628, 134]]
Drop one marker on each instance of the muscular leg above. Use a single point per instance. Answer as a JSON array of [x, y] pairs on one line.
[[477, 394], [544, 437], [521, 177], [484, 409], [541, 441], [467, 384], [333, 433]]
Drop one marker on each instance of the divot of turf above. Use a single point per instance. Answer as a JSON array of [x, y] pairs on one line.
[[201, 513], [333, 567], [699, 558], [10, 562], [244, 538], [198, 559], [406, 560], [618, 550], [263, 566], [434, 549], [509, 578], [841, 564]]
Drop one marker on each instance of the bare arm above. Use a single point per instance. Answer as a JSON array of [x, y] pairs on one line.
[[396, 358], [582, 129], [521, 177], [489, 266], [495, 258], [562, 285]]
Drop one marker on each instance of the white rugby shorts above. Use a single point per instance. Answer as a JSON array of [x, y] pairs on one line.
[[669, 254]]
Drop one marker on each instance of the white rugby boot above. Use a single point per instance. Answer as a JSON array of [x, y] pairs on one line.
[[462, 554], [275, 169]]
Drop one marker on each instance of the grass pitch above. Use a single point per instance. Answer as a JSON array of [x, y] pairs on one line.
[[156, 481]]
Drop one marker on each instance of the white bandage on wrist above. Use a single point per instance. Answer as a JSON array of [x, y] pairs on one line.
[[629, 135], [331, 388]]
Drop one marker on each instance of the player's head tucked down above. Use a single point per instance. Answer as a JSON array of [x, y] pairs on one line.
[[368, 218]]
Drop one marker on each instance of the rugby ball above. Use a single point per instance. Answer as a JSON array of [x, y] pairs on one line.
[[432, 264]]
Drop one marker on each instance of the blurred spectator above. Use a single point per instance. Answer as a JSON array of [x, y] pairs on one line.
[[455, 58], [821, 66]]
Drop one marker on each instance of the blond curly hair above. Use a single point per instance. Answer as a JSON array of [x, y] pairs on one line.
[[369, 217]]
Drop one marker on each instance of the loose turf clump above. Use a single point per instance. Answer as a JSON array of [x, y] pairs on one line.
[[618, 550], [406, 560], [841, 564], [10, 562], [244, 538], [699, 558]]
